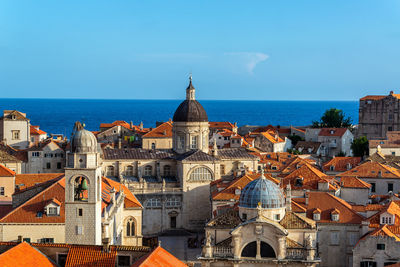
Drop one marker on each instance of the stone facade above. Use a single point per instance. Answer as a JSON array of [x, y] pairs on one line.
[[45, 158], [15, 129], [379, 114]]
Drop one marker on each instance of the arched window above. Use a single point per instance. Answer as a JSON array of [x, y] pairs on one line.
[[130, 227], [201, 174], [153, 145], [81, 189], [167, 170], [148, 170], [129, 171], [110, 171]]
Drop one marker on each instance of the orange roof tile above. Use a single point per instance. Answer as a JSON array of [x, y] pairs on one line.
[[372, 169], [24, 181], [88, 256], [353, 182], [332, 131], [220, 124], [162, 131], [28, 211], [373, 97], [6, 172], [341, 164], [24, 255], [384, 230], [34, 130], [328, 203], [392, 208], [311, 177], [158, 258]]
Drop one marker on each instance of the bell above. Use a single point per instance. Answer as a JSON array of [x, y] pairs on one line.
[[84, 185]]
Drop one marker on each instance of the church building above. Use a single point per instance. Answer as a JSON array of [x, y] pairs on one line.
[[174, 184]]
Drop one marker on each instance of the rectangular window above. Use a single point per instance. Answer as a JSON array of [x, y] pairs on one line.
[[244, 216], [79, 229], [373, 187], [390, 187], [124, 260], [368, 264], [193, 144], [1, 191], [380, 246], [46, 240], [15, 134], [334, 238], [61, 259], [277, 217], [48, 165], [80, 212], [58, 165], [222, 169], [35, 154], [53, 211], [390, 128], [353, 238], [181, 142]]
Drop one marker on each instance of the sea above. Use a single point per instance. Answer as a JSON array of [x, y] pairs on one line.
[[57, 116]]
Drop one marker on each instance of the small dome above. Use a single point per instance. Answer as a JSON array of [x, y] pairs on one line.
[[262, 191], [190, 110], [83, 140]]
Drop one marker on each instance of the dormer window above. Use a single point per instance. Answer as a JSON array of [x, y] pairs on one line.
[[53, 208], [238, 191], [349, 166], [13, 117], [335, 215], [387, 218], [299, 181], [332, 168], [332, 131], [317, 215]]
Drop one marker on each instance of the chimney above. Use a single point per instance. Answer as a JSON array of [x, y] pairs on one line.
[[141, 126], [106, 244], [20, 239], [235, 128], [131, 125]]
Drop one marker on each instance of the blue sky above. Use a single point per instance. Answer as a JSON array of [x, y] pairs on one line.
[[263, 50]]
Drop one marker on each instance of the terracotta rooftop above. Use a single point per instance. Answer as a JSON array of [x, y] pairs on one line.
[[392, 208], [159, 258], [6, 172], [308, 147], [220, 124], [373, 97], [136, 153], [24, 181], [372, 169], [341, 164], [32, 211], [310, 178], [34, 130], [353, 182], [328, 203], [332, 132], [25, 255], [89, 256], [162, 131]]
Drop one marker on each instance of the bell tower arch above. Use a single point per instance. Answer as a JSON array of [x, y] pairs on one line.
[[83, 189]]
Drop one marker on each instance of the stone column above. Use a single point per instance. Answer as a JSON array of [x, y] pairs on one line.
[[187, 142], [158, 172], [139, 171], [282, 248], [236, 247], [258, 255]]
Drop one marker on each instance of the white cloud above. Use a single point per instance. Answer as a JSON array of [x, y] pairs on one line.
[[249, 59]]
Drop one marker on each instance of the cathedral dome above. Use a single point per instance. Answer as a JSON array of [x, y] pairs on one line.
[[190, 110], [262, 191], [83, 140]]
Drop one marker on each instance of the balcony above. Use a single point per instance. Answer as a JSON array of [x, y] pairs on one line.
[[222, 252], [296, 253]]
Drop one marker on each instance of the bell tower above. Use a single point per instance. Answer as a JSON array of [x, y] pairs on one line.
[[83, 189]]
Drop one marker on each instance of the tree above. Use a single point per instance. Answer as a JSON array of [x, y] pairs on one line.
[[295, 138], [333, 118], [360, 147]]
